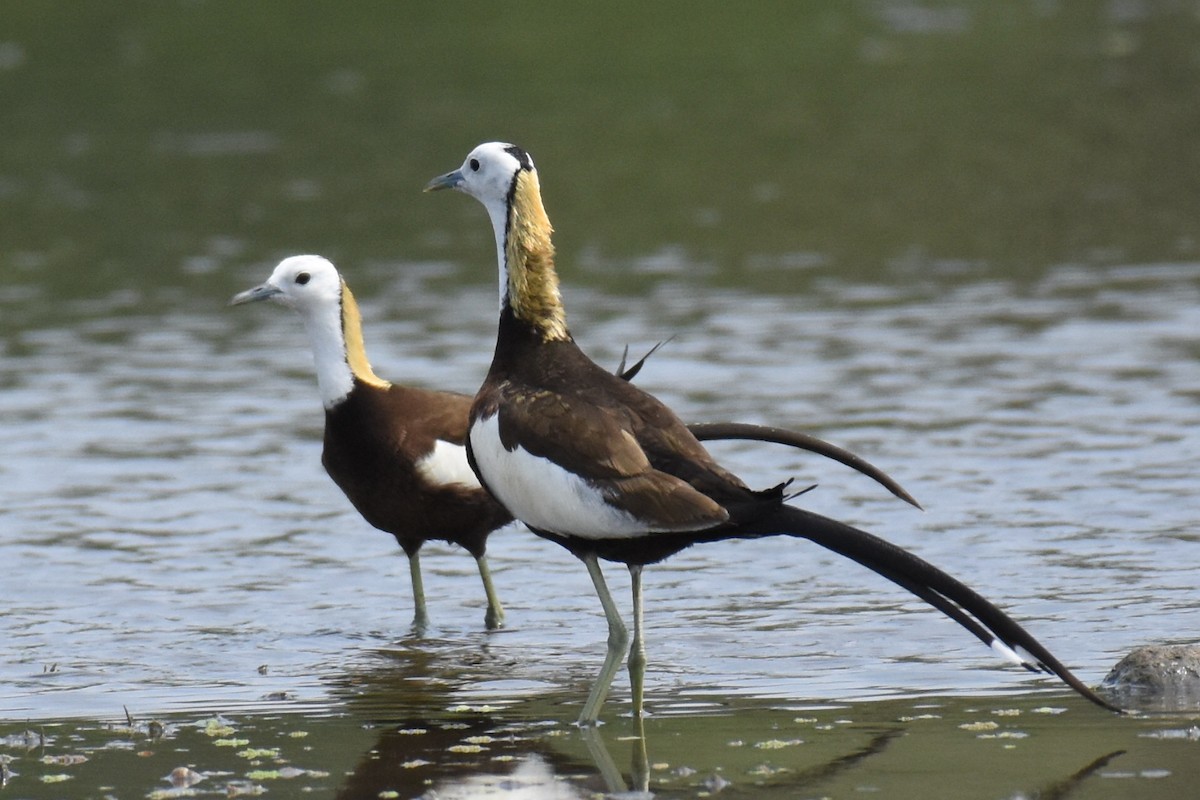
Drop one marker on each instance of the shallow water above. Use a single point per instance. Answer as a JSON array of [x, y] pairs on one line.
[[740, 748], [958, 240], [180, 534]]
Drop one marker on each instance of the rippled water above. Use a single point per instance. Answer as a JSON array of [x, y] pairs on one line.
[[956, 238], [169, 529]]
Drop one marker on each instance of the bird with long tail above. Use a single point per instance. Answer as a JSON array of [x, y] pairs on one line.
[[603, 468]]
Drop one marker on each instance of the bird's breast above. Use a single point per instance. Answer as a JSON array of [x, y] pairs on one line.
[[543, 494]]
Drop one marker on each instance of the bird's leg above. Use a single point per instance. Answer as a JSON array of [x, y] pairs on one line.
[[640, 768], [618, 638], [614, 782], [495, 612], [420, 616], [637, 652]]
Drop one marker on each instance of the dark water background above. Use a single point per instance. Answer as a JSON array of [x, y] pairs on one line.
[[959, 238]]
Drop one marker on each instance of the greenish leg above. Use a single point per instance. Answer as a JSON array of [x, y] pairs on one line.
[[420, 615], [640, 768], [614, 782], [495, 612], [618, 638], [637, 653]]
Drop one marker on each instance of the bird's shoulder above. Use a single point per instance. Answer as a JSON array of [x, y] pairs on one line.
[[565, 407], [403, 417]]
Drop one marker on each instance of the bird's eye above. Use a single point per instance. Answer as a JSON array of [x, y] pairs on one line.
[[474, 165], [303, 278]]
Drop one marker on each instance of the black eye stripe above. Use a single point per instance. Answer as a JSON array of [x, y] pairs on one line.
[[303, 278], [475, 165]]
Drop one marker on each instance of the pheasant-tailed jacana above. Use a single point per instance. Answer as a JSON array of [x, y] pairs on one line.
[[606, 470]]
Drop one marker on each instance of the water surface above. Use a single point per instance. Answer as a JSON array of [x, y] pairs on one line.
[[957, 239], [181, 533]]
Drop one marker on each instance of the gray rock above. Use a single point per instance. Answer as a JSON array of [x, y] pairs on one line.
[[1160, 676]]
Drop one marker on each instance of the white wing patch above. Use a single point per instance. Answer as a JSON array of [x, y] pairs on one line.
[[447, 464], [543, 495]]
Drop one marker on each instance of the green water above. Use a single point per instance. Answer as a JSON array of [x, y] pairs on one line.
[[151, 145], [906, 749]]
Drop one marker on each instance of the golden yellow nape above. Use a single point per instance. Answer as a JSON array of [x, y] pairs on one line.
[[356, 351], [532, 281]]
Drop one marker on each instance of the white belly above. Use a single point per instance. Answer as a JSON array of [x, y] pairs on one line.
[[447, 464], [542, 494]]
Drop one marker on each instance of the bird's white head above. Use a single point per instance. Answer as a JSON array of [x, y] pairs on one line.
[[305, 283], [487, 174], [313, 287], [502, 177]]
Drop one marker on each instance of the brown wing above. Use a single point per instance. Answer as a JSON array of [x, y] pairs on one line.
[[593, 442], [373, 442], [660, 435]]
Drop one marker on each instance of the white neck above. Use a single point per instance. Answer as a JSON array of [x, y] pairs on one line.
[[498, 213], [334, 377]]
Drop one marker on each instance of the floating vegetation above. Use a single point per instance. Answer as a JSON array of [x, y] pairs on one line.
[[213, 758], [778, 744], [253, 753], [765, 771], [231, 742], [481, 709], [65, 760], [283, 773], [217, 727], [987, 725], [1005, 735]]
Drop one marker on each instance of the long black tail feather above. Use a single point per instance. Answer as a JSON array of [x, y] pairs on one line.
[[714, 431], [953, 598]]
